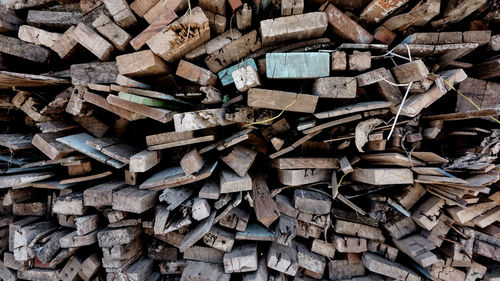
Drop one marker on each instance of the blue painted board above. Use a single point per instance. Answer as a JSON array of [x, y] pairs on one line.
[[297, 65], [225, 75]]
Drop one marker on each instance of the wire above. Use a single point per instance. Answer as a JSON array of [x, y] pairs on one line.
[[272, 118]]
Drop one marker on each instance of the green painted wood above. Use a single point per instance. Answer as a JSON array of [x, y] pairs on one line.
[[297, 65], [143, 100], [225, 75]]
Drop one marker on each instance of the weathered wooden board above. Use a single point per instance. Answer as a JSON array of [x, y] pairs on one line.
[[280, 100], [78, 142], [296, 27]]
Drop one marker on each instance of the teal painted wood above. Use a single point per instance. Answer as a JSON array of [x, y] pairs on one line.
[[297, 65], [225, 75], [78, 142], [257, 233]]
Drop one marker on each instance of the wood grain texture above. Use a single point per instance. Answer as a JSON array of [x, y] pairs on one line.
[[296, 27], [297, 65], [92, 41], [278, 100]]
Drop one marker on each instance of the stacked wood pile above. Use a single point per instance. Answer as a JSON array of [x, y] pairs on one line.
[[260, 140]]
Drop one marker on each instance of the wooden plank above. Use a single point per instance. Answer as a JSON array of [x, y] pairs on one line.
[[305, 163], [231, 182], [226, 76], [378, 176], [202, 119], [241, 259], [93, 73], [178, 6], [121, 13], [196, 74], [333, 123], [142, 63], [311, 202], [265, 207], [279, 100], [53, 19], [140, 7], [214, 44], [391, 159], [38, 36], [165, 44], [47, 144], [202, 271], [92, 41], [175, 176], [143, 161], [156, 26], [334, 87], [100, 101], [345, 27], [359, 107], [9, 23], [197, 233], [78, 142], [31, 52], [158, 114], [283, 259], [296, 27], [378, 10], [191, 162], [226, 55], [388, 268], [240, 159], [115, 34], [134, 200], [297, 65]]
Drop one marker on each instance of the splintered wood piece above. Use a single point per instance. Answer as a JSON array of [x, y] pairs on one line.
[[240, 159], [296, 27], [217, 22], [377, 176], [345, 27], [265, 207], [86, 224], [312, 202], [241, 259], [100, 101], [283, 259], [409, 195], [156, 26], [101, 195], [92, 41], [214, 44], [359, 107], [236, 218], [13, 79], [31, 52], [463, 215], [201, 119], [143, 161], [38, 36], [297, 65], [196, 74], [488, 69], [78, 142], [142, 63], [121, 13], [134, 200], [231, 182], [417, 248], [115, 34], [233, 51], [280, 100], [426, 214], [170, 44], [74, 241], [388, 268], [400, 228]]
